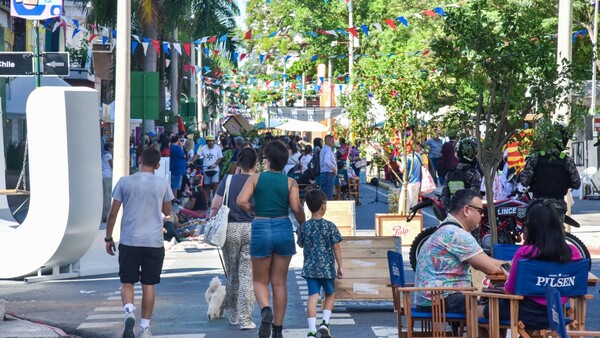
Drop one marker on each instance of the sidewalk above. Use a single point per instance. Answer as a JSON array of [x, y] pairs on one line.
[[15, 327]]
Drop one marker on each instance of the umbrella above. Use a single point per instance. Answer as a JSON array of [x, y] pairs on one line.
[[296, 125]]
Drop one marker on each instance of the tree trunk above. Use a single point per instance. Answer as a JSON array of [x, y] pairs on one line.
[[175, 78], [488, 175], [150, 64]]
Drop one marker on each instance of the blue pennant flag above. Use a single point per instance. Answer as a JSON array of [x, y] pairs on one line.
[[104, 40], [166, 48], [76, 23], [261, 58], [342, 31], [268, 1], [440, 11], [341, 56], [340, 87], [313, 34], [134, 45], [365, 29], [251, 80], [206, 69], [287, 57], [75, 32], [390, 55], [347, 79], [300, 87], [206, 51], [276, 83], [298, 78], [370, 95], [402, 20], [273, 34], [321, 78], [235, 55], [313, 58], [145, 39], [285, 76], [114, 33], [223, 38], [47, 23], [317, 88]]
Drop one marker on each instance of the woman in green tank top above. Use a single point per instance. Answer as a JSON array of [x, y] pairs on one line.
[[272, 243]]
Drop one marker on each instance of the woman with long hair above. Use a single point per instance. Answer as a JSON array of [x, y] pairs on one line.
[[272, 239], [544, 241], [239, 296]]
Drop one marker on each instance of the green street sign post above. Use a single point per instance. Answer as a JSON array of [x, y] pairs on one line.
[[16, 64]]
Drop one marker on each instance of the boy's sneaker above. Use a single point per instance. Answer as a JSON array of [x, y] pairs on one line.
[[311, 334], [233, 320], [266, 318], [324, 330], [248, 325], [129, 325], [145, 333]]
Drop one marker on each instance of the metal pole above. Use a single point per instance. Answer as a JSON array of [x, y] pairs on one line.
[[330, 75], [303, 89], [351, 40], [564, 52], [200, 91], [594, 59], [284, 82], [175, 78], [37, 56], [122, 90]]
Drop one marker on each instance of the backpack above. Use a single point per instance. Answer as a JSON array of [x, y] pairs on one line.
[[314, 166]]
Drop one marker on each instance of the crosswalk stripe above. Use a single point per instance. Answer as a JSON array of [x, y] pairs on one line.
[[192, 335], [98, 325], [111, 316], [109, 309]]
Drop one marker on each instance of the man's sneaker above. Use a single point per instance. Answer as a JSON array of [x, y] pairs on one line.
[[311, 334], [233, 320], [266, 318], [324, 330], [129, 325], [248, 325], [145, 333]]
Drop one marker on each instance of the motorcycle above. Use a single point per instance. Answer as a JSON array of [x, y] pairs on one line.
[[510, 218]]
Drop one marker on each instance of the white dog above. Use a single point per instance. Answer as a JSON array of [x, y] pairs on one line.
[[215, 296]]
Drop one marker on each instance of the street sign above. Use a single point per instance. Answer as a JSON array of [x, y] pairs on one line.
[[36, 9], [13, 64], [55, 64]]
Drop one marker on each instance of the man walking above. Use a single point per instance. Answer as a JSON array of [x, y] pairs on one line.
[[212, 157], [146, 198], [435, 144], [107, 165], [328, 167]]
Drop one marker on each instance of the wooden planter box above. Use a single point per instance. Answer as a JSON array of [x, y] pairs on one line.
[[342, 214], [366, 273]]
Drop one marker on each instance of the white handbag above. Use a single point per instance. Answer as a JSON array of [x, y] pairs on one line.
[[216, 227]]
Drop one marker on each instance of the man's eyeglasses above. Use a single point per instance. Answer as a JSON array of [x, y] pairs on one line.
[[481, 210]]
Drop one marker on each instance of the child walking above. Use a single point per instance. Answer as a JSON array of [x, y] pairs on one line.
[[320, 239]]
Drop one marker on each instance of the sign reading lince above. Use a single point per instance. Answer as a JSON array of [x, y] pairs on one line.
[[13, 64]]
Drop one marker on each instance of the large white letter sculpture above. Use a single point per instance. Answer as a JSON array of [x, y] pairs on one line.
[[66, 184]]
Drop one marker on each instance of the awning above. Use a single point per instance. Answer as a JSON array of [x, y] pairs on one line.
[[296, 125], [19, 88]]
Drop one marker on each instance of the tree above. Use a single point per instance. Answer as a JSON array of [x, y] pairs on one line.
[[500, 62]]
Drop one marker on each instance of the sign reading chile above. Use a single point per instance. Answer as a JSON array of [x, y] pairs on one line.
[[36, 9]]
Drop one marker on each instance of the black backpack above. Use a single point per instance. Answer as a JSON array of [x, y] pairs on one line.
[[314, 166]]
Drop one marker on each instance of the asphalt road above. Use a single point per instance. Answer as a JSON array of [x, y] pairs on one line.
[[91, 306]]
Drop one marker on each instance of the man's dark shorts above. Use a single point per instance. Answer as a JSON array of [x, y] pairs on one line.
[[140, 264], [455, 302]]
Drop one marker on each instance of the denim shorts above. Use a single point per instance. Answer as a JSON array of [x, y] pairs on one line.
[[176, 181], [214, 179], [315, 284], [272, 236]]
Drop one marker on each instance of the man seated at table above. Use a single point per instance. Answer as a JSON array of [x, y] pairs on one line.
[[446, 256]]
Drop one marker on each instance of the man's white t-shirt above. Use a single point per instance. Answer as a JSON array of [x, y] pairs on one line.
[[106, 168], [210, 155]]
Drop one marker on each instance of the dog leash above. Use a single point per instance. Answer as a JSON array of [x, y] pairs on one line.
[[222, 262]]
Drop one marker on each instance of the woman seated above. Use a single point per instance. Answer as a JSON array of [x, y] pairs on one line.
[[544, 241], [197, 206]]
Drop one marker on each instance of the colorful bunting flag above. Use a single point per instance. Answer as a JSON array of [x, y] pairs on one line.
[[365, 29], [440, 11], [188, 48], [248, 35], [402, 20], [391, 23], [352, 31], [429, 12]]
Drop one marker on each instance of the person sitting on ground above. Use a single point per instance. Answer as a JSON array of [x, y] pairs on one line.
[[544, 241], [198, 205], [447, 255]]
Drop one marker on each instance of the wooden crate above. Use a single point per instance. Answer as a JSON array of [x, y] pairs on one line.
[[366, 273], [342, 214]]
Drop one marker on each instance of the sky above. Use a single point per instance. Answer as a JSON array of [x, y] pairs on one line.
[[241, 20]]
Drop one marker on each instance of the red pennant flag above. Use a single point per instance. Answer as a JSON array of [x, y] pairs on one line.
[[243, 56], [93, 26], [293, 85], [429, 12], [248, 35], [188, 48], [267, 83], [180, 125], [234, 71], [215, 53], [212, 39], [425, 52], [156, 45], [186, 67], [92, 37], [268, 56], [320, 31], [352, 31], [391, 23]]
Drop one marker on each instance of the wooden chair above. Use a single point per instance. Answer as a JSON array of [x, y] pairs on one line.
[[532, 278], [354, 190], [434, 323]]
